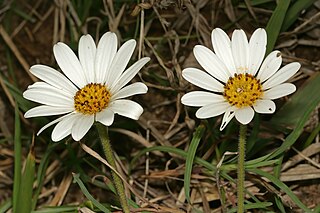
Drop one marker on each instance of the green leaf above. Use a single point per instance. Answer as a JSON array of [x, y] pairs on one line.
[[283, 187], [275, 23], [76, 178], [297, 111], [26, 185], [190, 158], [294, 12]]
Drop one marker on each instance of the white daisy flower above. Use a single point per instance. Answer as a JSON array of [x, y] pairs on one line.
[[237, 80], [91, 89]]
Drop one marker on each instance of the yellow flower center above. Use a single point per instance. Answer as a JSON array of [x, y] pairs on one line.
[[242, 90], [92, 98]]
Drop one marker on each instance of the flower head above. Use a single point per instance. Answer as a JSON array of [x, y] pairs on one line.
[[91, 88], [237, 80]]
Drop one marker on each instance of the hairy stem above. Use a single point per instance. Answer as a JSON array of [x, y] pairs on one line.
[[104, 137], [241, 170]]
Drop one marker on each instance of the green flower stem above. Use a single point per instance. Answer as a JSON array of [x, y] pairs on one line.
[[104, 137], [241, 170]]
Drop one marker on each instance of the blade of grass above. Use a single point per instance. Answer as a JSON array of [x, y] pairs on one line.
[[24, 104], [57, 209], [23, 15], [294, 12], [26, 186], [283, 187], [76, 178], [258, 2], [10, 63], [17, 159], [275, 23], [5, 206], [301, 102], [249, 164], [190, 157], [317, 209], [277, 173], [261, 205], [279, 204], [312, 136], [297, 111], [42, 172], [176, 151]]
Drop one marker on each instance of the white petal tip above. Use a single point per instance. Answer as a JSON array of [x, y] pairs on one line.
[[146, 59], [223, 125]]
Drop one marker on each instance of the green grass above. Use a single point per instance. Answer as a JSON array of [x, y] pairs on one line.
[[178, 144]]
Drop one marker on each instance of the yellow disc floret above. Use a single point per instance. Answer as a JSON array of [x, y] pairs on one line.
[[242, 90], [91, 99]]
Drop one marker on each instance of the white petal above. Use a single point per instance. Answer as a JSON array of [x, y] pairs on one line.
[[202, 79], [127, 108], [282, 75], [264, 106], [211, 63], [48, 96], [43, 86], [257, 50], [53, 122], [128, 75], [279, 91], [244, 115], [201, 98], [53, 77], [222, 47], [64, 127], [270, 65], [47, 111], [69, 64], [212, 110], [106, 50], [227, 117], [87, 52], [240, 50], [120, 62], [105, 117], [130, 90], [81, 126]]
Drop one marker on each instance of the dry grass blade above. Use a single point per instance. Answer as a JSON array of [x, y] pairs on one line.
[[309, 21], [201, 23], [62, 191], [98, 157], [3, 124], [153, 153], [160, 138], [306, 153], [113, 19], [168, 71], [16, 52], [24, 22], [136, 137], [300, 172]]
